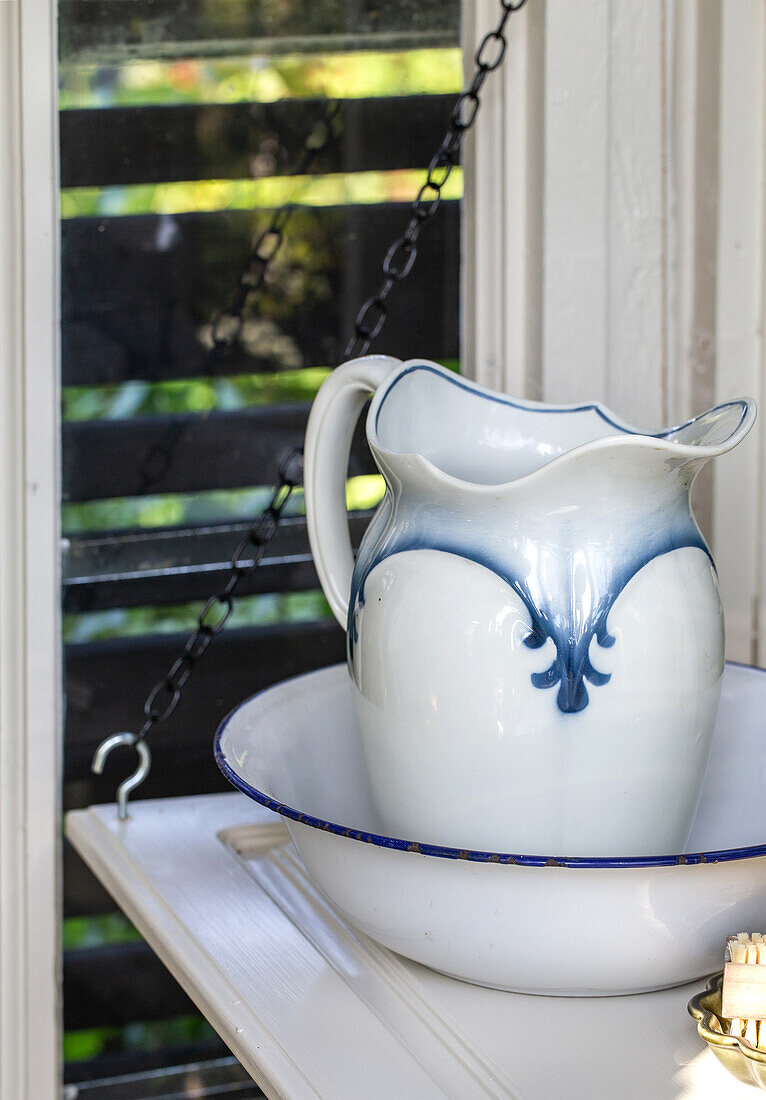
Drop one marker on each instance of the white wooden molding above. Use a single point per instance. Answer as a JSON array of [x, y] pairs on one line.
[[564, 230], [739, 505], [576, 200], [635, 307], [692, 35], [614, 234], [313, 1009], [502, 210], [30, 683]]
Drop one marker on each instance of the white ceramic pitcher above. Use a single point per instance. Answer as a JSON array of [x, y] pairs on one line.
[[535, 635]]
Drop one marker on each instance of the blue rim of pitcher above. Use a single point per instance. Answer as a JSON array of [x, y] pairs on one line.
[[471, 855]]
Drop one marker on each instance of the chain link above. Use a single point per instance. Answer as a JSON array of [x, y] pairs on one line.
[[225, 331], [226, 326], [166, 693], [489, 56]]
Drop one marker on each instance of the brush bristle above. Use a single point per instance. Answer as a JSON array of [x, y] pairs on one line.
[[744, 987], [746, 947]]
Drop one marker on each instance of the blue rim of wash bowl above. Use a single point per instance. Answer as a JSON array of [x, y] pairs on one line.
[[472, 855]]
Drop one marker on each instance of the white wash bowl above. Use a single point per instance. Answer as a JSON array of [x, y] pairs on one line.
[[553, 924]]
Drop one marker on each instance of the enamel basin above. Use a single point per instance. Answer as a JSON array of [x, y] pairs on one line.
[[554, 924]]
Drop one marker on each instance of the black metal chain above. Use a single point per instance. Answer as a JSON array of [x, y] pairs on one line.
[[164, 697], [226, 328]]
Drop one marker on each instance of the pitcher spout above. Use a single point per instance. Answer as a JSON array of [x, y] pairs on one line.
[[716, 431], [459, 433]]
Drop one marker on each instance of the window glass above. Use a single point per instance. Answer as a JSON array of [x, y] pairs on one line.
[[183, 128]]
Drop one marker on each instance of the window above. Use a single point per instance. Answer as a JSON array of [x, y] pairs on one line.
[[181, 127]]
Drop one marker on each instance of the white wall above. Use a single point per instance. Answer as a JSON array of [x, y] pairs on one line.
[[614, 244]]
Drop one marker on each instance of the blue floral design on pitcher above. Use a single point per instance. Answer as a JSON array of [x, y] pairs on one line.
[[568, 555], [571, 610]]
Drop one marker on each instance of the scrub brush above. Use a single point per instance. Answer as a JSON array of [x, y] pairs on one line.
[[743, 997]]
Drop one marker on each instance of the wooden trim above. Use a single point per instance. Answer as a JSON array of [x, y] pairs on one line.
[[738, 502], [634, 319], [30, 684], [615, 235], [577, 185], [311, 1008], [502, 210], [693, 148], [564, 234], [212, 990]]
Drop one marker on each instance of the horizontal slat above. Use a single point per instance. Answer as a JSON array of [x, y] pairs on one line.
[[181, 765], [219, 1079], [84, 896], [165, 28], [119, 984], [176, 565], [104, 1068], [108, 681], [138, 291], [186, 453], [127, 145]]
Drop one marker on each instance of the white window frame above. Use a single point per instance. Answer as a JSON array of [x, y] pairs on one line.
[[30, 635], [614, 243]]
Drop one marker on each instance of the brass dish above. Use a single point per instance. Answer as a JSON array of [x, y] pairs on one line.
[[741, 1059]]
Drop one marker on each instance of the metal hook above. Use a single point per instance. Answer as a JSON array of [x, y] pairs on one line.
[[134, 780]]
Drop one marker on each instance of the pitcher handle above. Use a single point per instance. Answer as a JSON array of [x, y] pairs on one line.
[[329, 432]]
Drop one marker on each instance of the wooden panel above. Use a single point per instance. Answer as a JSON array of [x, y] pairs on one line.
[[652, 231], [603, 301], [186, 453], [313, 1010], [105, 31], [694, 39], [502, 211], [204, 1069], [635, 214], [175, 565], [564, 291], [138, 292], [108, 681], [738, 504], [84, 896], [107, 1076], [417, 1051], [119, 984], [126, 145], [576, 187]]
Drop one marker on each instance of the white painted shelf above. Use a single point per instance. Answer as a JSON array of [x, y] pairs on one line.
[[313, 1009]]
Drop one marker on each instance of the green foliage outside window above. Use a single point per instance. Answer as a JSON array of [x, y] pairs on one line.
[[162, 81]]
